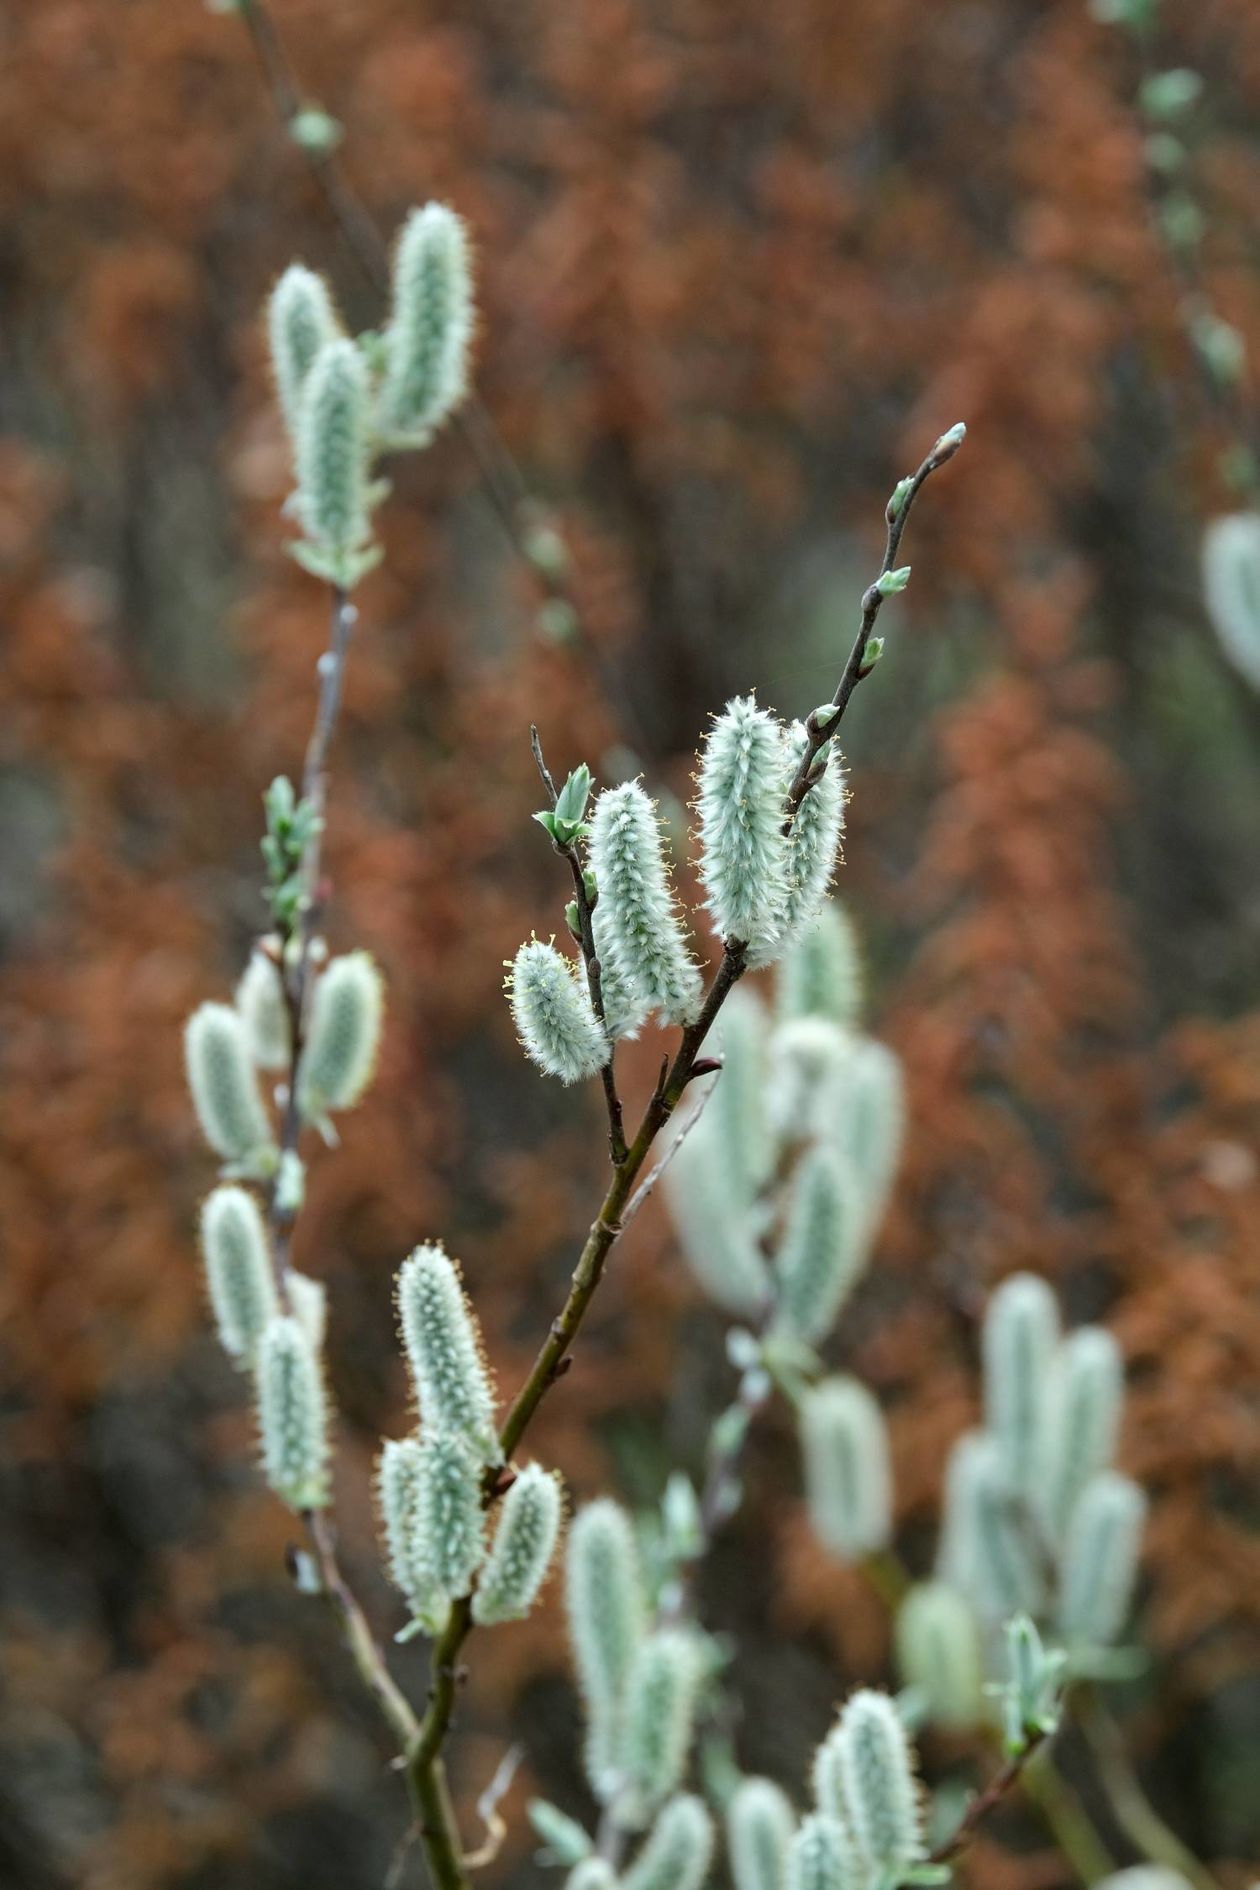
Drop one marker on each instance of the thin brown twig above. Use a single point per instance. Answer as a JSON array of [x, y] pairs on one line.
[[984, 1801]]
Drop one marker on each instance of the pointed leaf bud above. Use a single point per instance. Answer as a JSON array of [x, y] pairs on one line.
[[939, 1655], [678, 1852], [430, 328], [238, 1270], [1020, 1338], [301, 320], [760, 1824], [848, 1482], [607, 1609], [555, 1019], [893, 581], [640, 920], [292, 1415], [1100, 1559], [524, 1543], [443, 1345], [743, 849], [225, 1089], [880, 1789]]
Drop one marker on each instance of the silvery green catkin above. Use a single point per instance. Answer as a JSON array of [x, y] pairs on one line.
[[308, 1301], [939, 1654], [262, 1009], [300, 321], [822, 1252], [743, 849], [848, 1483], [987, 1548], [331, 456], [225, 1089], [238, 1269], [642, 928], [821, 971], [1019, 1340], [678, 1851], [625, 1006], [804, 1054], [1083, 1415], [1231, 588], [520, 1555], [827, 1781], [430, 327], [880, 1789], [737, 1108], [292, 1415], [398, 1493], [555, 1019], [814, 840], [1100, 1559], [450, 1523], [865, 1104], [715, 1229], [592, 1873], [343, 1034], [443, 1346], [607, 1610], [659, 1715], [760, 1824], [821, 1856]]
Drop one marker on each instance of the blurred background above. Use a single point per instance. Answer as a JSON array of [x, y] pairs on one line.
[[739, 265]]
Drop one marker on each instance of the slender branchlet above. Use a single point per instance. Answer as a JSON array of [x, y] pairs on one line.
[[822, 1251], [880, 1788], [1086, 1396], [1100, 1559], [239, 1278], [450, 1520], [814, 840], [848, 1482], [743, 848], [225, 1091], [430, 327], [821, 1856], [820, 974], [343, 1035], [524, 1543], [292, 1415], [760, 1825], [643, 928], [262, 1010], [988, 1549], [554, 1016], [660, 1706], [607, 1611], [1020, 1338], [443, 1345], [678, 1850], [301, 320], [939, 1655]]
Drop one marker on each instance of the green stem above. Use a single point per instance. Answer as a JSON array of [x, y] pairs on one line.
[[1071, 1828], [1135, 1813]]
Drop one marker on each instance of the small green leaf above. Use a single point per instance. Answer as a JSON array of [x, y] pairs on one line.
[[573, 796], [893, 581]]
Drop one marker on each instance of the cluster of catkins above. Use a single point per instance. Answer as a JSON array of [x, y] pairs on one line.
[[642, 1676], [347, 400], [764, 886], [271, 1318]]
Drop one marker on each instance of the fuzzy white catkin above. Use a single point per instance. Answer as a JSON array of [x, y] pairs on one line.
[[1019, 1341], [443, 1346], [939, 1655], [450, 1534], [343, 1034], [822, 1250], [814, 840], [804, 1055], [308, 1301], [292, 1415], [821, 1856], [821, 971], [760, 1824], [826, 1779], [398, 1494], [1100, 1560], [264, 1013], [642, 927], [715, 1229], [848, 1481], [331, 455], [555, 1019], [678, 1851], [1231, 588], [1086, 1394], [659, 1717], [880, 1789], [430, 328], [301, 320], [238, 1269], [737, 1107], [225, 1089], [988, 1548], [625, 1005], [524, 1543], [607, 1612], [863, 1113], [743, 849]]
